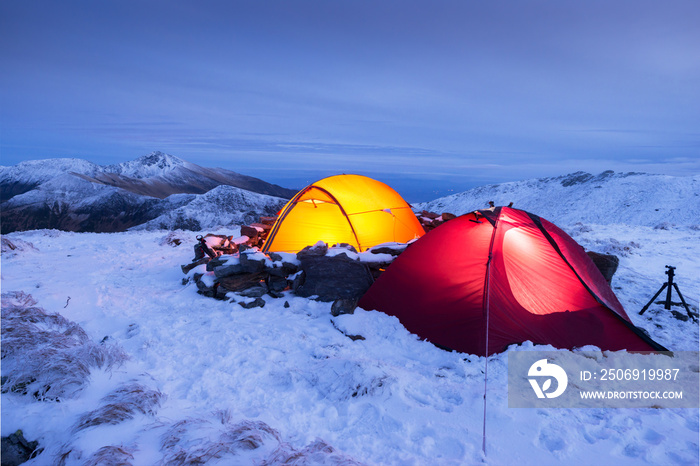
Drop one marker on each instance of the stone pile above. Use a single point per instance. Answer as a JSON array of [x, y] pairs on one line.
[[430, 220], [337, 274], [211, 246]]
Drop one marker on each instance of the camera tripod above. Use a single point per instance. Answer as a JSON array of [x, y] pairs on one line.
[[668, 286]]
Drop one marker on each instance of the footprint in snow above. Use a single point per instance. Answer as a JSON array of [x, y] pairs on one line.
[[653, 437], [550, 439]]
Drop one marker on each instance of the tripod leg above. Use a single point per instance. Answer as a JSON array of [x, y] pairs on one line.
[[652, 299], [667, 304], [687, 309]]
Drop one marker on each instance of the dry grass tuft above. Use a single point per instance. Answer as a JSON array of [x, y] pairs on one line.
[[12, 248], [316, 453], [198, 441], [111, 456], [122, 404], [46, 355]]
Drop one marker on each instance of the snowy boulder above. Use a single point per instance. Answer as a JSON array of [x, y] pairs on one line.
[[257, 302], [17, 450], [606, 263], [318, 249], [283, 264], [228, 269], [253, 261], [393, 249], [344, 306]]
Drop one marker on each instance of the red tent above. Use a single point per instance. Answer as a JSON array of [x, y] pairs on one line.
[[489, 279]]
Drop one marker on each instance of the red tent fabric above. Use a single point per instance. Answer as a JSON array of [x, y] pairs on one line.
[[489, 279]]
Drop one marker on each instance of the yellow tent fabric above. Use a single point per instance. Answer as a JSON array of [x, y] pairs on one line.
[[351, 209]]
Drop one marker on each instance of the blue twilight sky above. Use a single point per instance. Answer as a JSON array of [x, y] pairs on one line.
[[426, 96]]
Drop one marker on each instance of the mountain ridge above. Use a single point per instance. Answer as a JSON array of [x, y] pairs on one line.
[[156, 175], [609, 197], [77, 195]]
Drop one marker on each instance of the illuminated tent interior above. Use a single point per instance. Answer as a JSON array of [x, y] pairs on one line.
[[489, 279], [350, 209]]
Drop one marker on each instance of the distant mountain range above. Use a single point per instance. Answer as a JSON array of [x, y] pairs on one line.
[[606, 198], [153, 191], [159, 191]]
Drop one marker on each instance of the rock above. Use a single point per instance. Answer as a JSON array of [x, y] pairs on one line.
[[17, 450], [220, 293], [202, 288], [318, 249], [253, 292], [347, 246], [227, 270], [241, 282], [430, 215], [286, 304], [332, 278], [680, 316], [262, 226], [251, 232], [393, 250], [275, 257], [276, 283], [215, 262], [297, 280], [186, 268], [252, 263], [278, 272], [280, 266], [257, 302], [208, 292], [343, 306], [606, 263], [447, 216]]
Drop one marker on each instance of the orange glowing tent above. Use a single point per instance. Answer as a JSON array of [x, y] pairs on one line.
[[351, 209]]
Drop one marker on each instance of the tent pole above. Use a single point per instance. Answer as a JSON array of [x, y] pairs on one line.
[[486, 353], [486, 311]]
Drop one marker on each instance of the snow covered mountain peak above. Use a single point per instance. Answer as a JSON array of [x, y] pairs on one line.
[[154, 164], [45, 169]]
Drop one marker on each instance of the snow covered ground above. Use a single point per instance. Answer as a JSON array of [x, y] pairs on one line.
[[212, 380]]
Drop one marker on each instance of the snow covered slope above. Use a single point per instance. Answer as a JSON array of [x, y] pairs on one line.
[[222, 206], [629, 198], [28, 175], [74, 204], [212, 383]]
